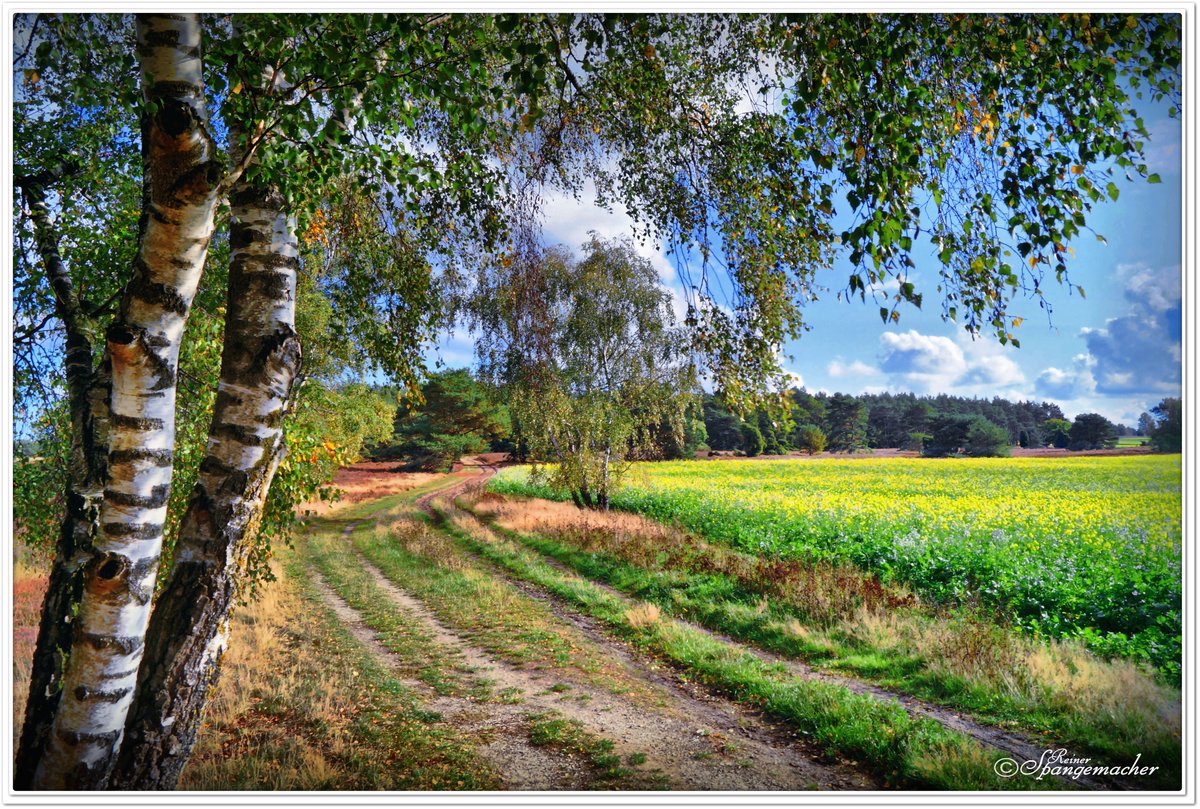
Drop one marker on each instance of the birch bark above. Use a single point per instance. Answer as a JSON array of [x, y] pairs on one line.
[[87, 394], [260, 361], [259, 364], [179, 197]]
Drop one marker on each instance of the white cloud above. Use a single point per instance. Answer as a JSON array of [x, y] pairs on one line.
[[921, 362], [989, 366], [1070, 384], [1141, 352], [931, 364], [569, 220], [1159, 289], [856, 369]]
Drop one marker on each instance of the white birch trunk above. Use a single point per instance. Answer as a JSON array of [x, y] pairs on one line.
[[87, 395], [180, 192], [260, 361]]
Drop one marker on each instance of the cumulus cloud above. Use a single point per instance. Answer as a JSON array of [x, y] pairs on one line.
[[1159, 289], [857, 369], [926, 363], [989, 368], [1141, 352], [921, 362], [569, 220], [1068, 384]]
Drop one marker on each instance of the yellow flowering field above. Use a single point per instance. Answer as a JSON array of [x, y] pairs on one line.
[[1086, 546]]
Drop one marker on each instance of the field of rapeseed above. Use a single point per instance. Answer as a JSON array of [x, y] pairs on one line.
[[1075, 547]]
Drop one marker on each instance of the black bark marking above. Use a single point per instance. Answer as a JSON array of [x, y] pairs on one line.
[[133, 530], [175, 117], [151, 292], [135, 422], [215, 466], [163, 371], [75, 738], [242, 435], [141, 590], [227, 398], [124, 644], [172, 91], [85, 694], [155, 340], [242, 235], [234, 479], [284, 345], [122, 334], [276, 261], [255, 277], [159, 38], [156, 499], [157, 457], [246, 195]]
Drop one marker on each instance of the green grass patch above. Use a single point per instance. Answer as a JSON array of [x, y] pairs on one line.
[[549, 729], [418, 652]]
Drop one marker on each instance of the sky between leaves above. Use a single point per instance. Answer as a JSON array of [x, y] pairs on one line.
[[1117, 352]]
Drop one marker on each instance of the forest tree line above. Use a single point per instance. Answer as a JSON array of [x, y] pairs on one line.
[[460, 416]]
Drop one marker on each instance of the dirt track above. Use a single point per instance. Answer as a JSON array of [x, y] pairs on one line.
[[693, 739]]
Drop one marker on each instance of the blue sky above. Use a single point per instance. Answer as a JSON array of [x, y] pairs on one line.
[[1116, 352]]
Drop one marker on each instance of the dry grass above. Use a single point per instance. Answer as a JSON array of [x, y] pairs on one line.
[[252, 734], [1036, 673], [643, 615], [823, 593], [367, 481], [416, 537], [1116, 689]]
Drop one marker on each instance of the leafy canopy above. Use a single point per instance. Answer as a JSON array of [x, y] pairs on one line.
[[765, 147]]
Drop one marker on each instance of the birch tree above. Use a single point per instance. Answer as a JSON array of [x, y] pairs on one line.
[[180, 198], [184, 181], [732, 138], [605, 368]]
